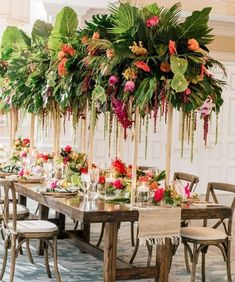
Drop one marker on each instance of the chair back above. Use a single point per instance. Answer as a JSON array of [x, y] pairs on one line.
[[213, 191], [192, 179], [9, 197]]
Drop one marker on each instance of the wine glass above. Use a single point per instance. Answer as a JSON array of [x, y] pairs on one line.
[[48, 168], [94, 174]]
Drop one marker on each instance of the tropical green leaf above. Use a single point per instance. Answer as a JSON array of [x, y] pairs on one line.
[[41, 31], [179, 82], [195, 26], [15, 38], [145, 92], [178, 65], [65, 27]]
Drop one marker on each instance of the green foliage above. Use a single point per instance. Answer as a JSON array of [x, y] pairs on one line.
[[65, 27], [41, 31], [15, 38], [178, 65]]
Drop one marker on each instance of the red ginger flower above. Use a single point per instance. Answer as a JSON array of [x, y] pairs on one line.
[[62, 71], [119, 166], [142, 65], [172, 47], [61, 55]]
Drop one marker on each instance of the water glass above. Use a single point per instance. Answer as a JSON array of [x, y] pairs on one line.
[[94, 174], [142, 194]]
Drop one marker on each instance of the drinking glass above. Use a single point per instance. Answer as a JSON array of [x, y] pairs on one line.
[[48, 169], [94, 174]]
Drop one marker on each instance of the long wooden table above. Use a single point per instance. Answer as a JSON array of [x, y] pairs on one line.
[[98, 211]]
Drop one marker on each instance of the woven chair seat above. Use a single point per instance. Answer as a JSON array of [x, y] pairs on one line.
[[35, 226], [202, 233]]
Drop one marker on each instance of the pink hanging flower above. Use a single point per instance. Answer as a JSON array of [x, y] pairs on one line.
[[159, 194], [113, 80], [187, 190], [54, 185], [129, 86], [153, 21]]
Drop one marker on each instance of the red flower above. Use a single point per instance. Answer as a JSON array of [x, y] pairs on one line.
[[119, 166], [187, 91], [193, 44], [25, 142], [24, 154], [67, 49], [61, 55], [68, 149], [62, 71], [101, 179], [142, 65], [165, 67], [84, 39], [159, 194], [118, 184], [84, 170], [153, 21], [66, 159], [172, 47]]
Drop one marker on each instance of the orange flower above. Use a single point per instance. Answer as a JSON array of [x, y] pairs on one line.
[[172, 47], [61, 55], [67, 49], [84, 39], [62, 71], [153, 186], [110, 53], [193, 44], [96, 35], [142, 65], [165, 67]]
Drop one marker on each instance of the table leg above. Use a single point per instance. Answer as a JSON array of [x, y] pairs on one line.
[[110, 251], [22, 200], [165, 261]]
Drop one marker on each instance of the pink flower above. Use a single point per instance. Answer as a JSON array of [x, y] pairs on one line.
[[23, 154], [54, 184], [118, 184], [159, 194], [113, 80], [68, 149], [153, 21], [149, 173], [207, 107], [187, 91], [21, 172], [172, 47], [187, 190], [66, 159], [129, 86]]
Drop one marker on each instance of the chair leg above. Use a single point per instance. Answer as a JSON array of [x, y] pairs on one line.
[[150, 252], [4, 263], [47, 262], [101, 235], [194, 263], [29, 254], [132, 233], [186, 257], [228, 261], [203, 267], [13, 258], [57, 274], [76, 225]]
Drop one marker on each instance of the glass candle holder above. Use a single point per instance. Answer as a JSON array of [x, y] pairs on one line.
[[143, 194]]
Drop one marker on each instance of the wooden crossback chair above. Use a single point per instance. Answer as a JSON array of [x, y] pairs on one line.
[[203, 237], [16, 232]]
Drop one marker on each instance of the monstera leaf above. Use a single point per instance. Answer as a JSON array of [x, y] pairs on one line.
[[15, 38], [65, 27], [41, 31], [178, 65], [179, 82]]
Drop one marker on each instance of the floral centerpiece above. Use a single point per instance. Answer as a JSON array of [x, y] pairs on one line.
[[20, 149]]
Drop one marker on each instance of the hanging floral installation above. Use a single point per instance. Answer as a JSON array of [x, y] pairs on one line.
[[136, 57]]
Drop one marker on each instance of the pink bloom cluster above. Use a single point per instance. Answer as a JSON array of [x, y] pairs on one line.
[[207, 107], [120, 110]]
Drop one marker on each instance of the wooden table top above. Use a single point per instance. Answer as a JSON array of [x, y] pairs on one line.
[[101, 211]]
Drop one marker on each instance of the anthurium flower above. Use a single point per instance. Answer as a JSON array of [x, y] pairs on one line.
[[187, 190], [193, 44], [113, 80], [165, 67], [172, 47], [96, 35], [129, 86], [142, 65], [153, 21], [68, 149], [54, 185]]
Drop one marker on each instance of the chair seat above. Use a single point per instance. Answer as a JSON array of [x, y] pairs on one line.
[[202, 233], [35, 226], [21, 210]]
